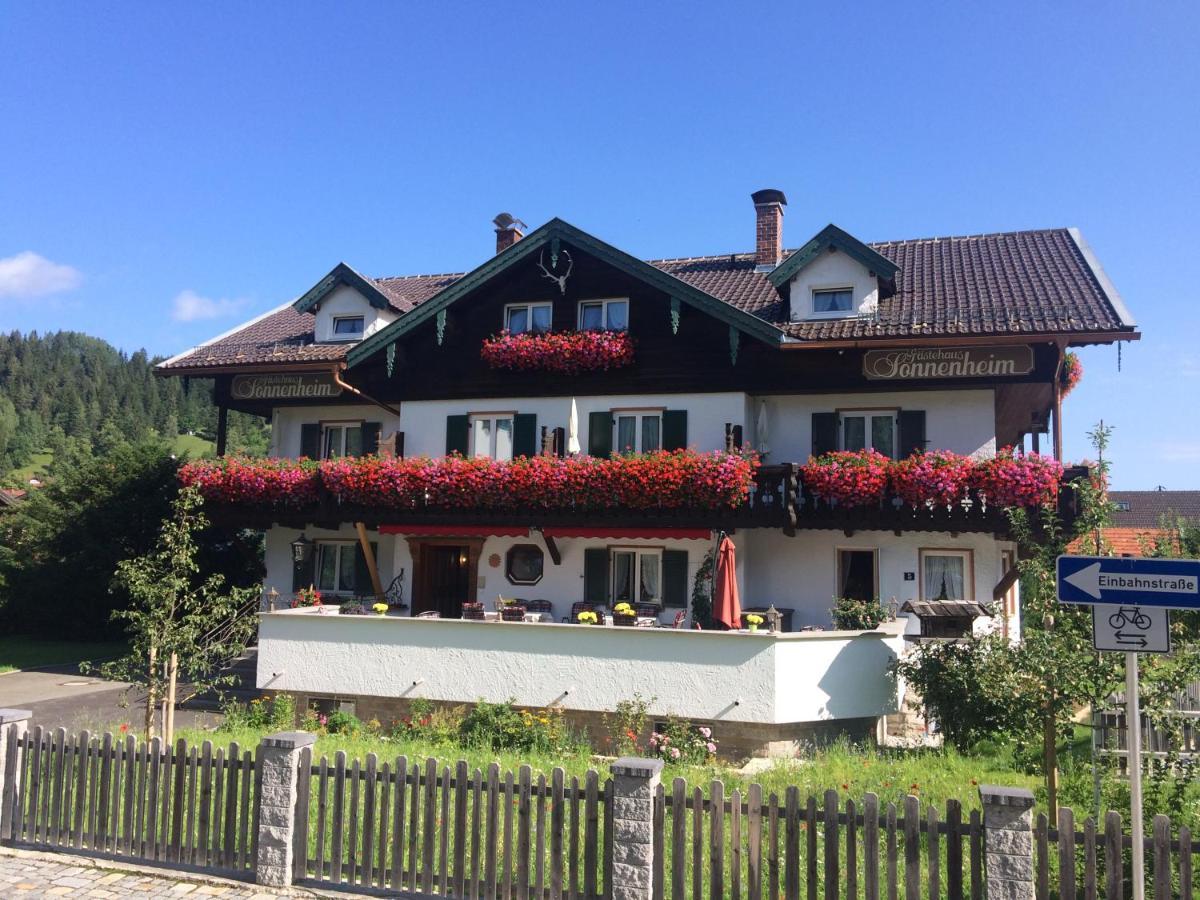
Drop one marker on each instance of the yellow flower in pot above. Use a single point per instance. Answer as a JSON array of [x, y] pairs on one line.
[[380, 609], [753, 621], [586, 618]]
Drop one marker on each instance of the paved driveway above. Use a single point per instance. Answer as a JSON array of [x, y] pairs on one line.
[[61, 697]]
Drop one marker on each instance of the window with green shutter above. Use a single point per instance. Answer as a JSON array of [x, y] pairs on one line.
[[675, 580], [458, 434], [674, 429], [595, 576], [600, 434]]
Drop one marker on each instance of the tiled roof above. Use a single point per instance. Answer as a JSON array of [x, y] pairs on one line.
[[927, 609], [1023, 282], [1146, 509]]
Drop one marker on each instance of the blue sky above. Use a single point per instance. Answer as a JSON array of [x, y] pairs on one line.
[[170, 170]]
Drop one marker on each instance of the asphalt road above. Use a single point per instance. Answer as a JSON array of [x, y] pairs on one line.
[[61, 697]]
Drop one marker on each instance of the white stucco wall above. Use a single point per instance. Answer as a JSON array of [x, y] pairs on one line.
[[962, 421], [277, 555], [287, 420], [801, 572], [562, 585], [705, 675], [424, 421], [346, 301], [829, 271]]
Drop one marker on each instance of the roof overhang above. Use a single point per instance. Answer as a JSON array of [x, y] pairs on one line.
[[552, 234], [1070, 339]]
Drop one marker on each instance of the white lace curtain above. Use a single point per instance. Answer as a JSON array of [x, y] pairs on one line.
[[944, 577]]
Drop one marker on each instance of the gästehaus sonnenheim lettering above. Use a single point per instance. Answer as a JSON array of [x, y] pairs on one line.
[[951, 362], [283, 387]]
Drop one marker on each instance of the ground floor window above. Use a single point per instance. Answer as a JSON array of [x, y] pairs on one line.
[[946, 575], [858, 574], [636, 576], [336, 568]]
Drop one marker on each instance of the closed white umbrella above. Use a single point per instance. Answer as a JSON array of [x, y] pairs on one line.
[[760, 429], [573, 429]]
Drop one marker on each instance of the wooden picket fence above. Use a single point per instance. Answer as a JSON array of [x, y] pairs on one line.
[[118, 797], [1089, 863], [743, 847], [453, 831]]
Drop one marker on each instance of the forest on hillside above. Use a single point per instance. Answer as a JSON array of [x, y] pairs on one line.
[[66, 392]]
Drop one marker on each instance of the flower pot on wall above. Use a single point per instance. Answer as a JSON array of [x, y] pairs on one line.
[[473, 611], [513, 614], [624, 619]]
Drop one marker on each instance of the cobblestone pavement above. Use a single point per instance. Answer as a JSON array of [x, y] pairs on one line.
[[28, 874]]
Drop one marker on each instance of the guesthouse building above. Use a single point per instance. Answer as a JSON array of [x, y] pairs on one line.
[[567, 427]]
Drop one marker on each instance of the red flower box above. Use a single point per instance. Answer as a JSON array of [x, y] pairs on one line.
[[935, 478], [1011, 480], [848, 477], [566, 352], [255, 482]]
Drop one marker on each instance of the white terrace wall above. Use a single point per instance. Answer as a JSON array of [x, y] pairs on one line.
[[719, 676]]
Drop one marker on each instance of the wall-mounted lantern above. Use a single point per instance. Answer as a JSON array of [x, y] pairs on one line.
[[301, 549]]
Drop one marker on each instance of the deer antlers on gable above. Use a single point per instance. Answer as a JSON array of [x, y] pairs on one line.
[[560, 280]]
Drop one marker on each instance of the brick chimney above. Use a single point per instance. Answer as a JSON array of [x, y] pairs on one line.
[[508, 231], [768, 227]]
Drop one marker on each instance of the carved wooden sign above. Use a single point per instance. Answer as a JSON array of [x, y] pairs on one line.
[[920, 363], [283, 387]]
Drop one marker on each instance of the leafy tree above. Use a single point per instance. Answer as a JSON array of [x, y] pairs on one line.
[[180, 624]]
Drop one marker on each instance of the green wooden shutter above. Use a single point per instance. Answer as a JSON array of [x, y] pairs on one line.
[[824, 432], [595, 576], [305, 573], [674, 429], [912, 433], [525, 439], [362, 574], [674, 575], [458, 429], [600, 425], [310, 441], [370, 437]]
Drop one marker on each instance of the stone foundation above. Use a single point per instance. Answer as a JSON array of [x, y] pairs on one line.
[[735, 740]]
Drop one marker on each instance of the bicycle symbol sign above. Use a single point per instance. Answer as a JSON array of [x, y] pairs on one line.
[[1134, 629]]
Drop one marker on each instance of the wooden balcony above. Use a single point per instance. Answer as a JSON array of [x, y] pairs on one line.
[[777, 500]]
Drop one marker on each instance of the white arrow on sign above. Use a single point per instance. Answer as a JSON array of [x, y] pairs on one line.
[[1087, 580]]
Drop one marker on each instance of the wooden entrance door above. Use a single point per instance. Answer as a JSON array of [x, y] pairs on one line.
[[444, 577]]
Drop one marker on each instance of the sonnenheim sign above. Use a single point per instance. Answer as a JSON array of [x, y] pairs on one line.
[[951, 362], [283, 387]]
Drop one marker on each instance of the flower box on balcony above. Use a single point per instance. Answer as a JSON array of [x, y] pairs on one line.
[[935, 478], [473, 611], [512, 614], [565, 352], [848, 477]]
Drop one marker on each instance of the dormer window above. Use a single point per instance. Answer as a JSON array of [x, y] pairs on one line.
[[604, 315], [832, 301], [347, 328], [522, 317]]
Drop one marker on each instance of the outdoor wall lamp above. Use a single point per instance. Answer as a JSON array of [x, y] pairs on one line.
[[301, 549]]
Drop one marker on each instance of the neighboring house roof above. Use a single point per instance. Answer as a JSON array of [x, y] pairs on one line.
[[11, 497], [1147, 509], [1014, 283]]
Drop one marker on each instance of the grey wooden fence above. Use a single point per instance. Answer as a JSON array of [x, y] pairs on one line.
[[1084, 861], [115, 796], [438, 830]]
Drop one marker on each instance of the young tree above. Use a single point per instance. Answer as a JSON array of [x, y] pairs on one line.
[[182, 626]]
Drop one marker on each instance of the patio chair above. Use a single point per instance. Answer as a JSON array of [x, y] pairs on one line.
[[647, 609], [540, 606], [677, 622], [577, 608]]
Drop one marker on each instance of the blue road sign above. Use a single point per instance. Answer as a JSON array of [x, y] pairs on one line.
[[1126, 581]]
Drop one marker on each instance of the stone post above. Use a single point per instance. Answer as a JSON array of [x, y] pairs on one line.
[[1008, 842], [10, 719], [278, 761], [634, 784]]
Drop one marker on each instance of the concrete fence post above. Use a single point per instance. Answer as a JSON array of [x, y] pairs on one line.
[[1008, 842], [278, 761], [634, 784], [14, 723]]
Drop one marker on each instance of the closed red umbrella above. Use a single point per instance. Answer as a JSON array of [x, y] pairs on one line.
[[727, 607]]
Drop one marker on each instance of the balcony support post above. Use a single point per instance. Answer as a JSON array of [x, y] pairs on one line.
[[376, 584]]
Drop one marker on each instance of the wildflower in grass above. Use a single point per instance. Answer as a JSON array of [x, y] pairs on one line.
[[124, 727]]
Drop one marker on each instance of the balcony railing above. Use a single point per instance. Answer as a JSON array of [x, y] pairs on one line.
[[776, 497]]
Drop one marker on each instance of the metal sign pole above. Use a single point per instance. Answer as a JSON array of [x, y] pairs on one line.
[[1133, 727]]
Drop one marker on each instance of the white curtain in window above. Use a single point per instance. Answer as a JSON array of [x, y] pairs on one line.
[[650, 580], [944, 577], [623, 577], [504, 436], [481, 436]]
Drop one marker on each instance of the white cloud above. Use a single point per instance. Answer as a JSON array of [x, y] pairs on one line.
[[1180, 451], [191, 307], [29, 275]]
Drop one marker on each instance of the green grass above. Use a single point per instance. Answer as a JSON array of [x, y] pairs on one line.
[[195, 447], [935, 776], [25, 653], [38, 466]]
